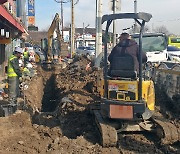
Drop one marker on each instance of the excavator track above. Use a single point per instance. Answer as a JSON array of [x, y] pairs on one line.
[[168, 132], [108, 133]]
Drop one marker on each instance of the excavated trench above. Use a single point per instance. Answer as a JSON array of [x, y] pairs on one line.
[[43, 98], [51, 95], [59, 107], [43, 95]]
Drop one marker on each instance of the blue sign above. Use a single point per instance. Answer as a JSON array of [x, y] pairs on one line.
[[31, 10]]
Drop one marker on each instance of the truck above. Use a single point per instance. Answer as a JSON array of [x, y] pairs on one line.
[[174, 41], [155, 46]]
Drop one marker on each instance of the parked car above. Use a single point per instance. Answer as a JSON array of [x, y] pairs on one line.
[[173, 53], [27, 44], [88, 51]]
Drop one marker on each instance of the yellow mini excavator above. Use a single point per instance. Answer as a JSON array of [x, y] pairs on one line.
[[128, 99], [54, 45]]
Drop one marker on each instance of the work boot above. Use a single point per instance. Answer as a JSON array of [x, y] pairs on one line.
[[8, 109], [13, 101], [14, 108]]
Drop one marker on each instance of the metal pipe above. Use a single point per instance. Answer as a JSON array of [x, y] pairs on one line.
[[106, 60], [135, 6], [83, 35], [140, 62], [114, 24], [135, 11]]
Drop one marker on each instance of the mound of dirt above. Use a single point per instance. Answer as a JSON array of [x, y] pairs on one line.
[[57, 117]]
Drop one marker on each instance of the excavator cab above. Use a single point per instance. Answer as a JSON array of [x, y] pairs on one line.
[[127, 98]]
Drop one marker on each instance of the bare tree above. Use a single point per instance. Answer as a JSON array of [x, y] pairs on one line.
[[161, 29], [146, 28], [131, 29], [67, 24]]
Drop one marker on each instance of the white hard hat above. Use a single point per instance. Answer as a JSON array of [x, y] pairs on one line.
[[31, 51], [18, 49], [29, 65]]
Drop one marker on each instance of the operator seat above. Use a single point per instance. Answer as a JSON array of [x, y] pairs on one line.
[[123, 67]]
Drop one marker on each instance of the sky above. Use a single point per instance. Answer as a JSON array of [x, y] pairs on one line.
[[165, 13]]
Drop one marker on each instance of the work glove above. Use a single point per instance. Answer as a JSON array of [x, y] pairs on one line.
[[21, 79]]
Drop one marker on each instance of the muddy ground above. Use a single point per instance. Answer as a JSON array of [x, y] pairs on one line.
[[56, 117]]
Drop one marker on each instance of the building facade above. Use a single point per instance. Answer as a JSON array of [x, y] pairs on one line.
[[21, 11], [12, 31]]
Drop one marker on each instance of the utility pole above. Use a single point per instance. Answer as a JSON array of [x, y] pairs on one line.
[[83, 35], [84, 28], [62, 17], [72, 28], [98, 32], [135, 11], [62, 22], [114, 24]]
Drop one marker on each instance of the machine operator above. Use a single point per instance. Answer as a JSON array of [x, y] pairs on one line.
[[127, 46]]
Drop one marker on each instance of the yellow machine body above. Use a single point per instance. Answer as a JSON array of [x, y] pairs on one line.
[[37, 58], [127, 91]]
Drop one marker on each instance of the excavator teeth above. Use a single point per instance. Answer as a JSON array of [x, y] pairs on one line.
[[168, 132]]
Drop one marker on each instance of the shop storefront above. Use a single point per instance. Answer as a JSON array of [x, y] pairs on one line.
[[11, 32]]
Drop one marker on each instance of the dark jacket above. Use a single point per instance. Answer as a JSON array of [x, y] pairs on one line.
[[130, 48]]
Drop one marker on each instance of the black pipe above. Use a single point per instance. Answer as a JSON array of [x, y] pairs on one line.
[[140, 62], [106, 60]]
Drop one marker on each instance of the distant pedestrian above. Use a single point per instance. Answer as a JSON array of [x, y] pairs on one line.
[[26, 56]]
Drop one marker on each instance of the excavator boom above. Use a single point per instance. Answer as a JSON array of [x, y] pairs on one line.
[[54, 27]]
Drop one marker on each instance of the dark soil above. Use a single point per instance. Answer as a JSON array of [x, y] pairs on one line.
[[56, 117]]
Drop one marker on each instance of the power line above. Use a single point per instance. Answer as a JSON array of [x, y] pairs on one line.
[[62, 1], [178, 19], [66, 1], [76, 2]]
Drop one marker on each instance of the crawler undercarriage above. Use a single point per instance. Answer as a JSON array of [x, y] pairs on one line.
[[109, 129]]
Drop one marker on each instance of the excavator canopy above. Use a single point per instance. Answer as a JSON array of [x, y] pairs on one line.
[[141, 15]]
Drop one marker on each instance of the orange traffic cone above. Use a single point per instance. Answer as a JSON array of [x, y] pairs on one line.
[[88, 66]]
